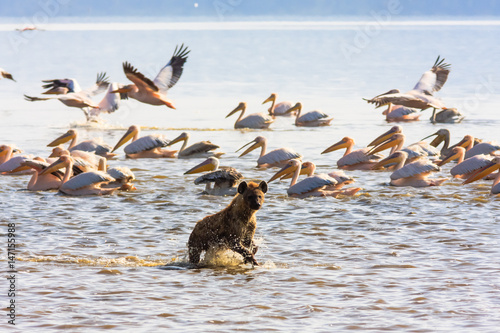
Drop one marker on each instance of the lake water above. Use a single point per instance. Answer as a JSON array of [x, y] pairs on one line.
[[389, 259]]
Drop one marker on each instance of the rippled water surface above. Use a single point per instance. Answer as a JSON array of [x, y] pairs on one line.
[[388, 259]]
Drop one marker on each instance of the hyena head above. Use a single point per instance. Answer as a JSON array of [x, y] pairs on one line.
[[253, 193]]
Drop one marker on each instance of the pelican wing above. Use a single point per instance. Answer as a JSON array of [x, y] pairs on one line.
[[402, 111], [405, 99], [282, 107], [171, 73], [146, 143], [199, 147], [358, 156], [87, 179], [13, 163], [422, 166], [121, 173], [110, 103], [471, 164], [311, 183], [101, 84], [434, 79], [61, 86], [141, 81], [482, 148], [93, 146], [313, 116], [278, 155], [229, 176], [255, 120]]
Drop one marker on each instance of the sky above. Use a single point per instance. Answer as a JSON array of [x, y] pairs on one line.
[[252, 8]]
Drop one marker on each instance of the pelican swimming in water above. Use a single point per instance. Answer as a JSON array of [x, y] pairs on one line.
[[46, 182], [196, 150], [93, 145], [254, 120], [465, 166], [442, 135], [482, 148], [275, 158], [413, 174], [311, 118], [309, 168], [450, 116], [353, 159], [220, 181], [484, 172], [81, 99], [123, 178], [87, 183], [89, 157], [279, 109], [314, 185], [399, 113], [155, 92], [5, 74], [148, 146], [421, 96]]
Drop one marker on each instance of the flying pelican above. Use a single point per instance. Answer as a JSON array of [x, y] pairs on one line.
[[399, 113], [308, 168], [314, 185], [254, 120], [50, 181], [450, 116], [275, 158], [311, 118], [199, 149], [465, 166], [6, 75], [353, 159], [279, 109], [148, 146], [87, 183], [225, 180], [485, 171], [421, 96], [155, 92], [81, 99], [61, 86], [92, 145], [413, 174]]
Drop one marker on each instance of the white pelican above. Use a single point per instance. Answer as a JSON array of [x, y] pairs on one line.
[[199, 149], [148, 146], [6, 75], [311, 118], [400, 113], [353, 159], [6, 153], [92, 145], [275, 158], [61, 86], [225, 180], [81, 99], [450, 116], [465, 166], [99, 162], [313, 186], [421, 96], [442, 135], [485, 171], [279, 109], [413, 174], [87, 183], [49, 181], [155, 92], [109, 104], [123, 178], [254, 120], [485, 148]]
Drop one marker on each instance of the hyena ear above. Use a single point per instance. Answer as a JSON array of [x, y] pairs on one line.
[[263, 186], [242, 187]]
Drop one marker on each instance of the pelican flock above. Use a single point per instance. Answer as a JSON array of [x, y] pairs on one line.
[[81, 168]]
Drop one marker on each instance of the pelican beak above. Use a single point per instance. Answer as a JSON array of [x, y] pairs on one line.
[[203, 166], [304, 170], [22, 167], [283, 172], [127, 136], [389, 143], [293, 108], [385, 136], [448, 158], [121, 91], [339, 145], [62, 139], [483, 172], [238, 108], [53, 167], [269, 99], [386, 162], [181, 137], [465, 142], [249, 149], [169, 104], [428, 136]]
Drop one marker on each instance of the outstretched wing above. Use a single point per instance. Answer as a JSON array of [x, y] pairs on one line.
[[101, 84], [171, 73], [434, 79], [61, 86], [110, 103], [141, 81]]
